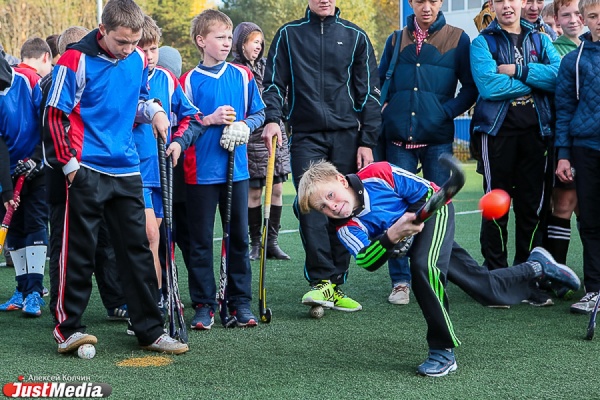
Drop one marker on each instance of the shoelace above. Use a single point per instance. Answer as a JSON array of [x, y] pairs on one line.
[[588, 297], [400, 288]]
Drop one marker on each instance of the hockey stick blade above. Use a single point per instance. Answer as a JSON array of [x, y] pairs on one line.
[[592, 324], [448, 190]]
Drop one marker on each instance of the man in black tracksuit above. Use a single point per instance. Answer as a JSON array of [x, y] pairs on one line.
[[324, 68]]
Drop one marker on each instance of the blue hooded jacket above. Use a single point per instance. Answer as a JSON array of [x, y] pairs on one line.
[[578, 99]]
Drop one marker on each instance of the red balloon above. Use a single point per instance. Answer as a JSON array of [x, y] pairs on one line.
[[494, 204]]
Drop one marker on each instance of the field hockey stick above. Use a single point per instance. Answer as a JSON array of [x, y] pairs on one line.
[[448, 190], [227, 320], [592, 324], [176, 323], [264, 312], [10, 211]]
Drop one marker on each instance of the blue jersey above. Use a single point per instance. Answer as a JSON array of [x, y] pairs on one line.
[[234, 85], [19, 116], [388, 193], [165, 87], [99, 127]]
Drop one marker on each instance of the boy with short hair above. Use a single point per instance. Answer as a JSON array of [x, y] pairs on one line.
[[36, 55], [532, 12], [373, 211], [568, 17], [514, 68], [20, 103], [577, 143], [564, 195], [99, 91], [548, 18], [165, 87], [228, 97]]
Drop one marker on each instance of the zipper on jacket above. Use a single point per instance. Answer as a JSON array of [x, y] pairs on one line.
[[321, 78]]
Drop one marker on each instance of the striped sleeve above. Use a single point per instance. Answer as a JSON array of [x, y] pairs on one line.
[[369, 254]]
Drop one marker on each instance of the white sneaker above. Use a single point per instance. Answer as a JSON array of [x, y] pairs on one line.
[[166, 344], [586, 304], [400, 294], [75, 340]]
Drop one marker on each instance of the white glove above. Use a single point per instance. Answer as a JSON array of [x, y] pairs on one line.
[[234, 135]]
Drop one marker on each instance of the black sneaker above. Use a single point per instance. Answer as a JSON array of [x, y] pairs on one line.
[[539, 298], [244, 317]]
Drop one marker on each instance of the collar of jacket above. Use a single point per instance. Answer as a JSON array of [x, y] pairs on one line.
[[89, 45], [495, 27], [587, 37], [436, 26], [314, 18]]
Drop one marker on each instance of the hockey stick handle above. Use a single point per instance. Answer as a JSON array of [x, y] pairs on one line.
[[164, 183], [448, 190], [269, 179], [10, 211]]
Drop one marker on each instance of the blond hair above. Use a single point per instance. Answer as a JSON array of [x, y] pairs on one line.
[[318, 172], [202, 23], [586, 3], [151, 33]]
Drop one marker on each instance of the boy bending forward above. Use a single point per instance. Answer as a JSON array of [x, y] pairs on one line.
[[374, 213]]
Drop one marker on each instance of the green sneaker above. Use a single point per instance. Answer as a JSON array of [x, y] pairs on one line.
[[320, 295], [341, 302]]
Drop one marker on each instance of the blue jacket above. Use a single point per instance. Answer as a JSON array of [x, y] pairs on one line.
[[422, 103], [578, 99], [536, 77]]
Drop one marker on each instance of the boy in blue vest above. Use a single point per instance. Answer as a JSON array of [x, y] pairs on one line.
[[514, 68]]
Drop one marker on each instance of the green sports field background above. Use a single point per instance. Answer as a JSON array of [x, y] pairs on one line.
[[521, 353]]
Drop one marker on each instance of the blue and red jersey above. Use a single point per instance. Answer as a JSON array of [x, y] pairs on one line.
[[19, 117], [165, 87], [209, 88], [92, 107], [388, 193]]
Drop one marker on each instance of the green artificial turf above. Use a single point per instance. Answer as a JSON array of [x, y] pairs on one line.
[[521, 353]]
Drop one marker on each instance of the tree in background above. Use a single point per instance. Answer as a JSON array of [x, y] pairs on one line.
[[377, 17], [22, 19], [174, 17]]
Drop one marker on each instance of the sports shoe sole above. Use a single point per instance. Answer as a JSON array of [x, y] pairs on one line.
[[89, 339], [574, 310], [250, 324], [32, 314], [336, 308], [12, 307], [324, 303], [180, 350], [200, 327], [451, 368]]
